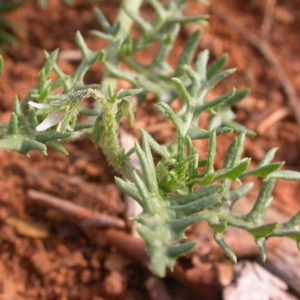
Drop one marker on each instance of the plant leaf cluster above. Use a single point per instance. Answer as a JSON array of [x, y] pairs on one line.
[[182, 188]]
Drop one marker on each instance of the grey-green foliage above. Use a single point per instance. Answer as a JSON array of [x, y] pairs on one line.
[[182, 188]]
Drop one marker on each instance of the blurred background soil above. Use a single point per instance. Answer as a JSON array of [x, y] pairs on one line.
[[43, 254]]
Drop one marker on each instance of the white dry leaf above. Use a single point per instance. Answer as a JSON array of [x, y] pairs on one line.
[[53, 119], [253, 282]]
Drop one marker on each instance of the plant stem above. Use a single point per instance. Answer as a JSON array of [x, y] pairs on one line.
[[124, 30], [107, 129]]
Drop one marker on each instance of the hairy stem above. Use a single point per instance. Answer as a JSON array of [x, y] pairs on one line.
[[107, 128]]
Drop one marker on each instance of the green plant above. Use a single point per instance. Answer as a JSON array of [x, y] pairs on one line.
[[182, 188]]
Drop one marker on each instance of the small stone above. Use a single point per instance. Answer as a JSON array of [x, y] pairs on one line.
[[85, 276], [113, 284], [74, 259], [116, 262]]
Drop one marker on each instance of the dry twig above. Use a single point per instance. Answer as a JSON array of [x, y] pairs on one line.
[[127, 244], [273, 118], [267, 53], [84, 216], [268, 18]]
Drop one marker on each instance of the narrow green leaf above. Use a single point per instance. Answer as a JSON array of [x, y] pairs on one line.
[[100, 17], [216, 66], [17, 108], [188, 51], [109, 51], [237, 128], [147, 166], [231, 152], [285, 175], [182, 91], [82, 126], [21, 145], [145, 26], [201, 134], [263, 171], [56, 145], [268, 157], [148, 235], [293, 222], [220, 241], [50, 62], [197, 19], [239, 149], [193, 154], [240, 192], [175, 251], [215, 103], [263, 231], [177, 227], [235, 172], [215, 79], [159, 261], [195, 84], [151, 175], [89, 112], [238, 96], [185, 210], [145, 195], [58, 83], [202, 163], [196, 195], [291, 233], [216, 225], [102, 35], [201, 65], [157, 148], [262, 248], [129, 189], [168, 113], [45, 136], [12, 129], [32, 119], [211, 152], [85, 51], [148, 85], [262, 203], [158, 7], [161, 58], [128, 93]]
